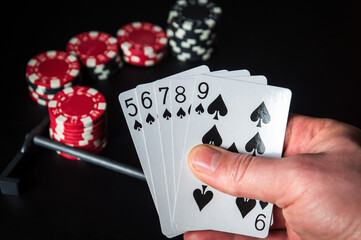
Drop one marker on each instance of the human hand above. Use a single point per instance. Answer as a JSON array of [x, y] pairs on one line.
[[315, 187]]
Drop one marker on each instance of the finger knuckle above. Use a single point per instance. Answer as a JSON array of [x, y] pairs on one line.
[[238, 172]]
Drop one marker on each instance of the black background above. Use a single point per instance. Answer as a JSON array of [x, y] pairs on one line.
[[314, 49]]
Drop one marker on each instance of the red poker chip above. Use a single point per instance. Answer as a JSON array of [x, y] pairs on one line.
[[95, 151], [84, 144], [142, 36], [96, 127], [142, 61], [77, 137], [93, 48], [41, 95], [77, 107], [98, 133], [145, 56], [37, 98], [52, 69]]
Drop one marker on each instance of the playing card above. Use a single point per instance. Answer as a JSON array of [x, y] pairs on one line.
[[141, 113], [159, 117], [129, 105], [148, 113], [181, 99], [163, 111], [243, 117]]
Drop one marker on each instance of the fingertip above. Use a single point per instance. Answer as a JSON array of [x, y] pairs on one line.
[[204, 159], [207, 234], [190, 236]]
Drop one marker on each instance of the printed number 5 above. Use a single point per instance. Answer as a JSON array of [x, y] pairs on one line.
[[128, 104]]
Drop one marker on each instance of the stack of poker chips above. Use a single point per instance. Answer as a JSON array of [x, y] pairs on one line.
[[98, 52], [50, 72], [142, 43], [191, 29], [78, 119]]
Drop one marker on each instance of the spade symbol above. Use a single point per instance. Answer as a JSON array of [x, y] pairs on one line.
[[212, 137], [245, 205], [181, 113], [218, 107], [261, 114], [255, 144], [233, 148], [199, 109], [150, 119], [202, 198], [263, 204], [137, 125], [167, 115]]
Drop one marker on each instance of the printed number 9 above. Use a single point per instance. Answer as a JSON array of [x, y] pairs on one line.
[[203, 89]]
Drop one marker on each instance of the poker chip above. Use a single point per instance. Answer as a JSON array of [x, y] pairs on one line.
[[50, 72], [37, 98], [191, 29], [142, 43], [98, 52], [78, 118]]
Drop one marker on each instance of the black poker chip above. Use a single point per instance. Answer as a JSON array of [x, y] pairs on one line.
[[191, 29]]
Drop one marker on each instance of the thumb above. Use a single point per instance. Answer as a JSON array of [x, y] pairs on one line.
[[240, 175]]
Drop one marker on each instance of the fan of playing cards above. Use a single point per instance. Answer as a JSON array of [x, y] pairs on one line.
[[229, 109]]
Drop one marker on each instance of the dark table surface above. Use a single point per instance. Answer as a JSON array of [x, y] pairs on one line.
[[314, 49]]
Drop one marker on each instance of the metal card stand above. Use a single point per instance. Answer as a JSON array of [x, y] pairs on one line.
[[10, 186]]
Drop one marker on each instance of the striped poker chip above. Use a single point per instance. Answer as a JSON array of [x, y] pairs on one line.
[[93, 48], [142, 36], [145, 61], [77, 107], [51, 91], [80, 135], [83, 143], [105, 71], [78, 119], [142, 43], [94, 150], [102, 124], [52, 69], [41, 101], [192, 14], [191, 29], [48, 97]]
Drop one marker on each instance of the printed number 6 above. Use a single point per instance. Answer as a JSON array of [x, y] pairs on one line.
[[260, 222]]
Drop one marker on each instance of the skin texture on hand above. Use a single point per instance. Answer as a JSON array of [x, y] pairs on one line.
[[315, 186]]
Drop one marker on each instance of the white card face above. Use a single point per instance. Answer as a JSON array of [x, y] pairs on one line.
[[230, 109], [236, 73], [243, 117], [164, 110], [181, 90], [148, 113], [252, 79], [181, 101], [129, 105]]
